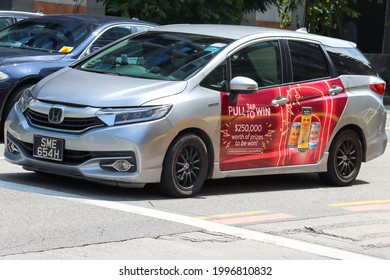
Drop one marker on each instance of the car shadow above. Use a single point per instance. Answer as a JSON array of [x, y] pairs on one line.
[[65, 186]]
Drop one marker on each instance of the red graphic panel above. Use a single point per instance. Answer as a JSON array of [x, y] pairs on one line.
[[251, 133], [256, 134], [316, 113]]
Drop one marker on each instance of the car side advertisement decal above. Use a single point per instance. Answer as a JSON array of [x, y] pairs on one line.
[[257, 132]]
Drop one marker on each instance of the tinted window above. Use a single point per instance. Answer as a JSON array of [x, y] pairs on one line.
[[216, 80], [46, 35], [350, 61], [5, 21], [260, 62], [111, 35], [308, 61], [114, 33]]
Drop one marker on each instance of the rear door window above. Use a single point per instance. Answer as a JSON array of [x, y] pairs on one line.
[[308, 61]]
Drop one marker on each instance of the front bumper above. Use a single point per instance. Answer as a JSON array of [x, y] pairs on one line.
[[91, 155]]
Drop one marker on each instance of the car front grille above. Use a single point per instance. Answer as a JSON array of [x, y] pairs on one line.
[[76, 125]]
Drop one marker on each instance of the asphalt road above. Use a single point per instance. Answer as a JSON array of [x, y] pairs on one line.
[[281, 217]]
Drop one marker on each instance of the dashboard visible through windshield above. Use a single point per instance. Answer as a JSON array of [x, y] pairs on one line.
[[155, 55]]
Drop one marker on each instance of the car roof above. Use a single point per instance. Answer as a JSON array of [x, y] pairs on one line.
[[237, 32], [12, 12], [19, 13], [93, 19]]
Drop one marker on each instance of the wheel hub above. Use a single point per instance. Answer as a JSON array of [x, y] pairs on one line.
[[187, 166]]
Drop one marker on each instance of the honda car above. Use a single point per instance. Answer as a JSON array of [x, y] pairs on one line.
[[179, 104]]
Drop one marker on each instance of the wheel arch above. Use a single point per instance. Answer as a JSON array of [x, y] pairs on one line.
[[206, 140], [360, 134], [26, 81], [10, 100]]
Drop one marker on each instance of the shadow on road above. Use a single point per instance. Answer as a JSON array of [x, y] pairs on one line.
[[218, 187]]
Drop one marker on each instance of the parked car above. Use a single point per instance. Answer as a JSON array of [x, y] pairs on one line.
[[179, 104], [36, 47], [10, 17]]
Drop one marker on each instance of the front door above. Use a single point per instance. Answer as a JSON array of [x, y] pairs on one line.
[[251, 128]]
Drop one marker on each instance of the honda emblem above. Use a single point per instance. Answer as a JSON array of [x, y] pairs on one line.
[[56, 115]]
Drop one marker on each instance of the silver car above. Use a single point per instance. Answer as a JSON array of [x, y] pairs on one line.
[[180, 104]]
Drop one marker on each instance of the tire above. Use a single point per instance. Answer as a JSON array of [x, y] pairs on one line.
[[185, 166], [12, 99], [345, 159]]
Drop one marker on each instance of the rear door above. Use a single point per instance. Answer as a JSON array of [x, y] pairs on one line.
[[316, 101]]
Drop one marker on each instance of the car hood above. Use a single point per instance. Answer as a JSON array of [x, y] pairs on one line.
[[15, 55], [72, 86]]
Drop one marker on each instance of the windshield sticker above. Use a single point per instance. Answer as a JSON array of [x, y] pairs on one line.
[[66, 49], [216, 47]]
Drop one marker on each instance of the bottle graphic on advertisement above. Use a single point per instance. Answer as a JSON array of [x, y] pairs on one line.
[[294, 135], [314, 135], [304, 132]]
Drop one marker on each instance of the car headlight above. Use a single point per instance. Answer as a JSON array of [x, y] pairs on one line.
[[3, 76], [133, 115], [25, 99]]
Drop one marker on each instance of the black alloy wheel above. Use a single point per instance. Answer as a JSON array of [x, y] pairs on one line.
[[345, 158], [185, 166]]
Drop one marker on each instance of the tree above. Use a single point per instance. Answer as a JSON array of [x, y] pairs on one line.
[[186, 11], [321, 16]]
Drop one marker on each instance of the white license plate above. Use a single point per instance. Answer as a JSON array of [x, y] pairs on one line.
[[48, 147]]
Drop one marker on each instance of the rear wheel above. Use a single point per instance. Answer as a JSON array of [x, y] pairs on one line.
[[185, 166], [345, 159]]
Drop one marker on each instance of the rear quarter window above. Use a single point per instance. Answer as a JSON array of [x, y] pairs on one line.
[[350, 61]]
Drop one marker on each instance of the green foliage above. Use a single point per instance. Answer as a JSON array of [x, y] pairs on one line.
[[321, 16], [186, 11]]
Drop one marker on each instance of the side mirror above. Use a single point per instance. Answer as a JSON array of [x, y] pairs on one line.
[[241, 85]]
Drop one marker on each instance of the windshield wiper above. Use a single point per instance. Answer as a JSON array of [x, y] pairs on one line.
[[100, 72]]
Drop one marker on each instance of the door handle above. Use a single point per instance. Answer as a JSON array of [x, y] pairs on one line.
[[335, 90], [280, 100]]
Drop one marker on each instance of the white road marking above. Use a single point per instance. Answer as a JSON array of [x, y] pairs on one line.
[[303, 246]]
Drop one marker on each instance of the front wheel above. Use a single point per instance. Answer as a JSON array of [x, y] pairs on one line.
[[345, 159], [185, 166]]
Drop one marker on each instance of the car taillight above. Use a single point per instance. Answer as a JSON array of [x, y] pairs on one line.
[[378, 88]]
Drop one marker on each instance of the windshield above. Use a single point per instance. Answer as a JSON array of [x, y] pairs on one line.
[[46, 35], [157, 55]]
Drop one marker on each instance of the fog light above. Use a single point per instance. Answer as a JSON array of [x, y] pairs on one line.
[[122, 165], [125, 163], [12, 148]]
